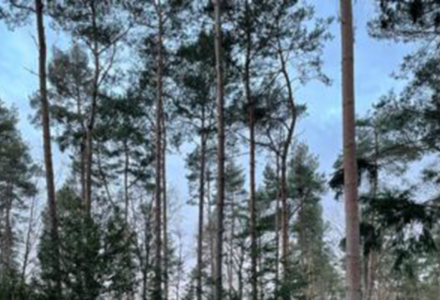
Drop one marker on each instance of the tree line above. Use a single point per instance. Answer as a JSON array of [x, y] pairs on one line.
[[217, 80]]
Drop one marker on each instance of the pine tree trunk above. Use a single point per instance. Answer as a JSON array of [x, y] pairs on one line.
[[218, 295], [50, 183], [284, 155], [126, 167], [201, 207], [230, 260], [373, 255], [277, 232], [28, 243], [82, 167], [91, 121], [284, 221], [157, 289], [211, 227], [353, 265], [165, 209], [146, 269], [7, 237], [252, 200]]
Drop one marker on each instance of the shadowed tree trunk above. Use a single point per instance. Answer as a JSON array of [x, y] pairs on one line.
[[165, 208], [92, 116], [283, 168], [6, 241], [50, 183], [218, 292], [157, 289], [353, 266], [201, 207], [252, 200]]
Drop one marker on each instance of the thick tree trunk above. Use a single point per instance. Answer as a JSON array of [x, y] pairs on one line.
[[353, 265], [218, 295], [50, 183], [157, 290], [201, 208]]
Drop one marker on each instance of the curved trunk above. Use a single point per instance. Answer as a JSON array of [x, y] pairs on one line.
[[50, 183]]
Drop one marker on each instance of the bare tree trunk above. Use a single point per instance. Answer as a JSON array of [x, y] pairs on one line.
[[126, 167], [353, 266], [6, 242], [211, 227], [165, 209], [284, 155], [373, 254], [82, 167], [50, 182], [252, 200], [277, 232], [218, 295], [230, 259], [157, 290], [92, 116], [284, 217], [201, 207], [27, 247], [146, 267]]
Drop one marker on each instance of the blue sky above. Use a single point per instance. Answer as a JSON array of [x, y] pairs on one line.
[[321, 129]]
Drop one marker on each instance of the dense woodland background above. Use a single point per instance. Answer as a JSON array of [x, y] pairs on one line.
[[216, 84]]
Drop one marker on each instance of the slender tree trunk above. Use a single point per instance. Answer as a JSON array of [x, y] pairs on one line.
[[28, 246], [126, 167], [218, 295], [353, 265], [201, 207], [50, 182], [165, 209], [252, 200], [157, 292], [373, 255], [284, 221], [211, 227], [146, 269], [277, 231], [83, 167], [92, 116], [284, 155], [230, 259], [7, 238]]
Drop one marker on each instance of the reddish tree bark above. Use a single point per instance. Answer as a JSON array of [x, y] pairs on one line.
[[45, 115], [353, 266]]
